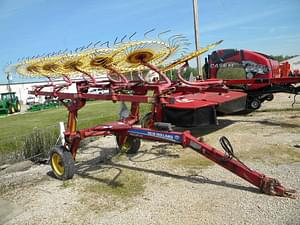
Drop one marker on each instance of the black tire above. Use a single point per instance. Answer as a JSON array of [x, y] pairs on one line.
[[131, 145], [18, 107], [62, 163], [11, 109], [145, 122], [254, 104]]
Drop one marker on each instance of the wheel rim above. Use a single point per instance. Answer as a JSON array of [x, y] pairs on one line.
[[126, 146], [18, 107], [255, 104], [57, 164], [147, 123]]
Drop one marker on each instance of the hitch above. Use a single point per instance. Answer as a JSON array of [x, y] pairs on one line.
[[272, 186], [229, 161]]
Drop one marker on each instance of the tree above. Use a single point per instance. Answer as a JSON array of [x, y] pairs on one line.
[[281, 58]]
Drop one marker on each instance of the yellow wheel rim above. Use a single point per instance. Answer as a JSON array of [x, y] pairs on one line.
[[126, 146], [57, 164], [146, 124], [18, 107]]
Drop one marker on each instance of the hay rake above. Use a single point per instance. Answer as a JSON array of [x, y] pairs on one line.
[[169, 98]]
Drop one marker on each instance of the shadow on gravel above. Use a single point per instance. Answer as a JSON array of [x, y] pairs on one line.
[[192, 179], [84, 170], [156, 152], [270, 123]]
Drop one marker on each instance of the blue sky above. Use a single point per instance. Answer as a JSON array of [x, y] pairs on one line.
[[32, 27]]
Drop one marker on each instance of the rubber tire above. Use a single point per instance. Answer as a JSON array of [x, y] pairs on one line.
[[67, 162], [145, 120], [254, 104], [133, 142], [11, 109], [18, 107]]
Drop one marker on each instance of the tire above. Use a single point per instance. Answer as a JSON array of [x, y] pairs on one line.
[[62, 163], [131, 145], [11, 109], [145, 122], [17, 107], [254, 104]]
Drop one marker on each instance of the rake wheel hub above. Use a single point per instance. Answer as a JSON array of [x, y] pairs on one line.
[[140, 56]]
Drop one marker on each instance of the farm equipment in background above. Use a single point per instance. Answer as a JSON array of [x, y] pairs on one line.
[[48, 103], [260, 76], [44, 106], [9, 103], [196, 101]]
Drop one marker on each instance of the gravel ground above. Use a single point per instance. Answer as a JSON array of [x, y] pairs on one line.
[[166, 184]]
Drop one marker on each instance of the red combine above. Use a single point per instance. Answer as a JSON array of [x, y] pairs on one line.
[[262, 75]]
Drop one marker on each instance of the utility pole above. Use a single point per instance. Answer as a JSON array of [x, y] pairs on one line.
[[197, 36], [9, 78]]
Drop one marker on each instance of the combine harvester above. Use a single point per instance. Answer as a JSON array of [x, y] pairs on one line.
[[263, 77], [195, 103]]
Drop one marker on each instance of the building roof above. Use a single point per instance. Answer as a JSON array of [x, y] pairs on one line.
[[294, 62]]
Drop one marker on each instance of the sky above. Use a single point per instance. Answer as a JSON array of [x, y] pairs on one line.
[[34, 27]]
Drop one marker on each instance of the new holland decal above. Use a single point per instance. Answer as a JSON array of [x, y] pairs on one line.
[[156, 134]]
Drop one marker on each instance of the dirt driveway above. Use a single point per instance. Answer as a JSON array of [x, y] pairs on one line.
[[166, 184]]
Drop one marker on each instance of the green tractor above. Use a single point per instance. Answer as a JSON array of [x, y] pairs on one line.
[[9, 103]]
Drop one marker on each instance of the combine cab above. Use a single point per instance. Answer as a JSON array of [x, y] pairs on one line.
[[9, 103]]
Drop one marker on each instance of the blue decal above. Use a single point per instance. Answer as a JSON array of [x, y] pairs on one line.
[[157, 134]]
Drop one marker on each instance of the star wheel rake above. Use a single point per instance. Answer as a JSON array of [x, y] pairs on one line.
[[190, 56], [134, 55], [29, 68]]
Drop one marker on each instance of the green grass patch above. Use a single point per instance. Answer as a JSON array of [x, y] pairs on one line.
[[191, 160], [67, 184], [106, 192], [126, 185], [273, 154]]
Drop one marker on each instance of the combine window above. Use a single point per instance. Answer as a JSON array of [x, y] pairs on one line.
[[231, 71]]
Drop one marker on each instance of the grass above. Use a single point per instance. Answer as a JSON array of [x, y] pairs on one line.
[[67, 184], [17, 125], [273, 154], [110, 189], [127, 185], [191, 160], [108, 192], [16, 129]]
